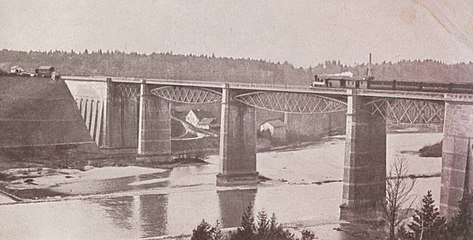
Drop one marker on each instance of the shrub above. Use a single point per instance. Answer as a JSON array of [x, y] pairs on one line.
[[307, 235]]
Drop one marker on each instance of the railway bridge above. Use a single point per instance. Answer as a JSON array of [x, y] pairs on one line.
[[135, 113]]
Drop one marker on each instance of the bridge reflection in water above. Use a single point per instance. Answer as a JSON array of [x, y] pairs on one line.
[[147, 215], [233, 204]]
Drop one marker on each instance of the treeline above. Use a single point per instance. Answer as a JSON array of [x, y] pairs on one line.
[[211, 68]]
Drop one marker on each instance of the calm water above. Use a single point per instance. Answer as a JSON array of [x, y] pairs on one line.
[[141, 206]]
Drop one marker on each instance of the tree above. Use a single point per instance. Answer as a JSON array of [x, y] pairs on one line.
[[246, 230], [461, 225], [264, 229], [205, 231], [427, 223], [398, 196], [270, 229]]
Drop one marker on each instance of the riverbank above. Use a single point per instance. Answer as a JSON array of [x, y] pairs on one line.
[[173, 202], [40, 182], [30, 180]]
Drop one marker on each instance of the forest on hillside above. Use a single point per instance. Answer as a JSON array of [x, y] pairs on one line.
[[211, 68]]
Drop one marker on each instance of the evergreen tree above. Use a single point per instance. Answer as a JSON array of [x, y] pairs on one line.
[[217, 234], [263, 225], [427, 223], [205, 231], [247, 229], [461, 225], [264, 229], [274, 231], [202, 232]]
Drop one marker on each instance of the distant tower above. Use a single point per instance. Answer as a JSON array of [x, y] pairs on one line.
[[369, 76]]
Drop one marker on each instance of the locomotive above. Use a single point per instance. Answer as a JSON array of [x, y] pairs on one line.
[[339, 81], [348, 81]]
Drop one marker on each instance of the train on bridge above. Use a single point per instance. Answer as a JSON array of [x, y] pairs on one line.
[[333, 81]]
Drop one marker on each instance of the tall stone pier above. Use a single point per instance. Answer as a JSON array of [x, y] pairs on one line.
[[457, 163], [237, 142], [364, 183], [108, 114], [154, 127]]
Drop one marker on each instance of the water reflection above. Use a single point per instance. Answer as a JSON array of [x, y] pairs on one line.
[[114, 185], [233, 204], [120, 211], [145, 214], [153, 212]]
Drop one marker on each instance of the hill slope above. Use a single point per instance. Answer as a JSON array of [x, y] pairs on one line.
[[168, 65]]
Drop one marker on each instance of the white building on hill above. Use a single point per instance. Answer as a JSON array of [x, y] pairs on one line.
[[202, 119]]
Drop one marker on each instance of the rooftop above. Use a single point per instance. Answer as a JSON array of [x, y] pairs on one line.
[[45, 67], [206, 121], [201, 114], [276, 123]]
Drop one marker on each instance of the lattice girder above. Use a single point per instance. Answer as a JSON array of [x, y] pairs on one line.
[[127, 91], [187, 94], [408, 111], [291, 102]]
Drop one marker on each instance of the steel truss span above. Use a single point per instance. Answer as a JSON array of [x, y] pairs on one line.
[[187, 94], [408, 111], [291, 102], [124, 90]]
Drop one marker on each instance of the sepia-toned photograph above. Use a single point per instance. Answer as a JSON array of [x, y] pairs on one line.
[[236, 120]]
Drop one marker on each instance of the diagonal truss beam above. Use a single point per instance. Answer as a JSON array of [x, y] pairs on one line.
[[187, 94], [408, 111], [291, 102], [124, 90]]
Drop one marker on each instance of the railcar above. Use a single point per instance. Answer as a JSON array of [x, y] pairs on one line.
[[369, 83]]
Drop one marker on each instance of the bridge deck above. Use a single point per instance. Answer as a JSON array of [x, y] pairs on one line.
[[384, 93]]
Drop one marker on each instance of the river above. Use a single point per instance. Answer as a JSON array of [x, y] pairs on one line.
[[174, 202]]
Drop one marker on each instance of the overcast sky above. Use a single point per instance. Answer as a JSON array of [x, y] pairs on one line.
[[303, 32]]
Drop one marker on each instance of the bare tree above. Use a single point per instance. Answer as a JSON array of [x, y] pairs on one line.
[[398, 197]]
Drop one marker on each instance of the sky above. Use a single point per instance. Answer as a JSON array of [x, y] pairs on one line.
[[302, 32]]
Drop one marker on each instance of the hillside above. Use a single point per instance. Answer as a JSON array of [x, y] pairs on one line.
[[210, 68]]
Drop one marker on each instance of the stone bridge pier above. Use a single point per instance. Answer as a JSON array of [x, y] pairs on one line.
[[237, 142], [154, 127], [457, 163], [364, 177]]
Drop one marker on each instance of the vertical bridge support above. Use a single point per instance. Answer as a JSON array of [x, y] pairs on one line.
[[364, 180], [154, 127], [457, 161], [107, 119], [237, 142]]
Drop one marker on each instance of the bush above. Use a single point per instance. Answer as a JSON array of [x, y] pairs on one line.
[[307, 235]]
